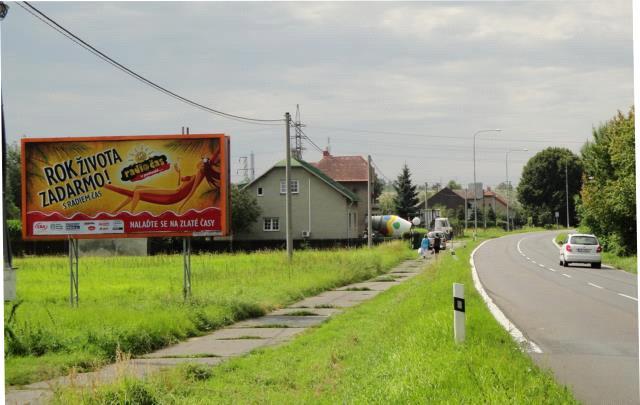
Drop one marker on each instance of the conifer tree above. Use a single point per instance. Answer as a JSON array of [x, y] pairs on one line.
[[406, 194]]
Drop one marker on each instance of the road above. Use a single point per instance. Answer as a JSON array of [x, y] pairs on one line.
[[584, 320]]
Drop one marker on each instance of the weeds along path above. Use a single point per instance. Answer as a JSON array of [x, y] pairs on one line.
[[240, 338], [134, 304], [396, 348]]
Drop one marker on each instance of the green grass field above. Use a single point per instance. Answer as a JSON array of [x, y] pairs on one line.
[[396, 348], [135, 304], [626, 263]]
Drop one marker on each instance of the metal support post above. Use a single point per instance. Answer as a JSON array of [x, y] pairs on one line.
[[73, 272], [186, 265], [369, 227], [566, 184], [287, 180]]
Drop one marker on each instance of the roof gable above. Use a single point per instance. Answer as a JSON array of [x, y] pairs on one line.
[[343, 168], [314, 171]]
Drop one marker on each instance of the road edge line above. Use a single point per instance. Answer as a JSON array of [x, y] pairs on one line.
[[499, 316]]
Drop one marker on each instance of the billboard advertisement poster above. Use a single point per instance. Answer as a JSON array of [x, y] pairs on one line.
[[125, 186]]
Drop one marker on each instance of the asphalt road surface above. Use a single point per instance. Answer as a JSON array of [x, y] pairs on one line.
[[584, 320]]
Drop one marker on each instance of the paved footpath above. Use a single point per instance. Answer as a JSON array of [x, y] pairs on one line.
[[235, 340]]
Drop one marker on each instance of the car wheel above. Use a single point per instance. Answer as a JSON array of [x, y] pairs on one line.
[[596, 265], [560, 262], [565, 263]]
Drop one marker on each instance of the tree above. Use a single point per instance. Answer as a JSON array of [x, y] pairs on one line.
[[378, 187], [542, 186], [244, 209], [608, 198], [453, 185], [406, 194], [13, 193], [387, 202], [491, 216]]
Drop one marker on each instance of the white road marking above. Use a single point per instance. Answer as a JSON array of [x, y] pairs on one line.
[[595, 285], [526, 344], [553, 270], [541, 265], [534, 262], [566, 275], [627, 296]]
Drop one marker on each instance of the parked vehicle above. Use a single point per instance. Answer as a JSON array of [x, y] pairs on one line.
[[442, 224], [443, 239], [581, 248]]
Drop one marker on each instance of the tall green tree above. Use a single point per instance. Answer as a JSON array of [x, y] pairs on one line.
[[244, 209], [453, 185], [608, 197], [542, 187], [406, 194], [378, 187], [13, 193]]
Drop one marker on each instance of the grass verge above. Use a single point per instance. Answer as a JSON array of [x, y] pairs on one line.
[[135, 304], [626, 263], [396, 348]]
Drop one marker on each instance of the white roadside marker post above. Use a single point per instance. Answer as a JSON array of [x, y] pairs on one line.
[[458, 313]]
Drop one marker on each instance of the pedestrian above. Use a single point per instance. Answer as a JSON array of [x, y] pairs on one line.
[[424, 246], [436, 244]]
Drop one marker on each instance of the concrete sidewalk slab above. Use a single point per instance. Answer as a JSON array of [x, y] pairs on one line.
[[284, 320]]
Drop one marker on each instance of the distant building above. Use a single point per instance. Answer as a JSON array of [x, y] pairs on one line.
[[322, 208], [350, 172], [455, 199]]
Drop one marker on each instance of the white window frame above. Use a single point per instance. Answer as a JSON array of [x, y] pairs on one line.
[[271, 224], [295, 187]]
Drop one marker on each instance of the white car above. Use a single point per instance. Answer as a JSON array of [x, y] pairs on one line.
[[581, 248]]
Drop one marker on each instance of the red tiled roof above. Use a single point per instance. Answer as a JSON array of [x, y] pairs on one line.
[[343, 168]]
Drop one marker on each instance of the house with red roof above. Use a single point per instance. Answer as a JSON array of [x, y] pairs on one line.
[[351, 173]]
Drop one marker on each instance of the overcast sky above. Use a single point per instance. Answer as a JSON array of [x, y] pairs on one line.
[[404, 82]]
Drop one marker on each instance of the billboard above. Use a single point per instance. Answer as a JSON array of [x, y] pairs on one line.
[[125, 186]]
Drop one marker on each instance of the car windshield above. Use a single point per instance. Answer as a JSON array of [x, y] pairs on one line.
[[584, 240]]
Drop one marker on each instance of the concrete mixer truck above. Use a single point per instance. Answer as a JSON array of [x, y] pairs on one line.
[[390, 225]]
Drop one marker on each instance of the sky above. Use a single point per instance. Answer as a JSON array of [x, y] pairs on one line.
[[404, 82]]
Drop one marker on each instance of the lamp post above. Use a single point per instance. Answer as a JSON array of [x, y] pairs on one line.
[[475, 202], [508, 189], [566, 188]]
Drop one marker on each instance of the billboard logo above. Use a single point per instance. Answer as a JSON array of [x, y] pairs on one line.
[[39, 227], [72, 226], [145, 168]]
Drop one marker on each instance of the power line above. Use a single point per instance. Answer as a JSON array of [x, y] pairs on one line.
[[380, 171], [442, 137], [69, 35]]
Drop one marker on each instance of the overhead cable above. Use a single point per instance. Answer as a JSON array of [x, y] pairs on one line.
[[68, 34]]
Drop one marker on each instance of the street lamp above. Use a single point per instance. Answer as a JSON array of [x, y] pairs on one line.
[[475, 202], [508, 189]]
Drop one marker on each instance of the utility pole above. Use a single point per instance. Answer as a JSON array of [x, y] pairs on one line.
[[297, 151], [252, 167], [369, 227], [566, 185], [426, 206], [287, 180]]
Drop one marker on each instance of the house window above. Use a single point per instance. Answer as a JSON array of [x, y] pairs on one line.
[[271, 224], [295, 187], [259, 191]]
